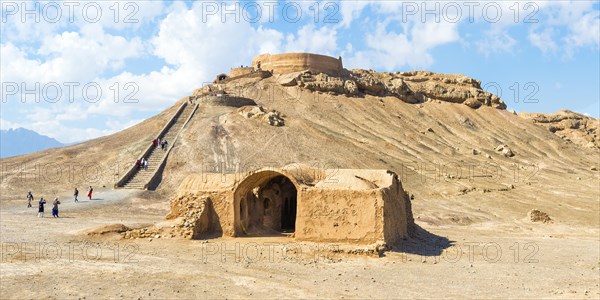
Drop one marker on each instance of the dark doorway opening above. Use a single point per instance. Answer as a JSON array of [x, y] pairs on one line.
[[288, 214], [269, 208]]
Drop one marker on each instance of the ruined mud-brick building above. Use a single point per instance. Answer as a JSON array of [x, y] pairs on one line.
[[337, 205]]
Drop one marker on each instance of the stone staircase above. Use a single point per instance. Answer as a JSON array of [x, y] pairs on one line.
[[141, 178]]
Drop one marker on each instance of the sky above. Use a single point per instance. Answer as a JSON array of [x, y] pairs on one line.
[[77, 70]]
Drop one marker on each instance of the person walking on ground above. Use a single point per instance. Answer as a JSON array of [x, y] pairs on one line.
[[90, 191], [138, 163], [41, 207], [55, 207], [29, 199], [165, 145], [76, 193], [145, 164]]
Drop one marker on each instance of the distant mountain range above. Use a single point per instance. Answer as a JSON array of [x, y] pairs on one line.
[[21, 141]]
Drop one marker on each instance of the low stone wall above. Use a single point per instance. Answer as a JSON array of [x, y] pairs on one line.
[[297, 62], [234, 72], [227, 101]]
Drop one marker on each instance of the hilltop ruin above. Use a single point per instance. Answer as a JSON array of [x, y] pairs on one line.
[[325, 74]]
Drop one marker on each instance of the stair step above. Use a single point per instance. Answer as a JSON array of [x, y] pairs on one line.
[[141, 176]]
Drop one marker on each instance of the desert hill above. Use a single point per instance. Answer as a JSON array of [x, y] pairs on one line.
[[464, 158]]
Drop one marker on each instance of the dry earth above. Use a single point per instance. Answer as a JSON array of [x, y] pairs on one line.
[[470, 200]]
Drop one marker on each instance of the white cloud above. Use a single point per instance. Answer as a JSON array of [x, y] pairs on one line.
[[310, 39], [69, 57], [543, 40], [578, 21], [350, 10], [496, 42], [584, 32], [390, 50], [43, 121], [5, 124]]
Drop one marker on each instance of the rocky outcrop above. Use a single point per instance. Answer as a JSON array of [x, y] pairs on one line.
[[273, 117], [535, 215], [505, 150], [410, 87], [107, 229], [570, 126]]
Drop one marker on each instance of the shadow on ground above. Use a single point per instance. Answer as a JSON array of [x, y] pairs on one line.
[[423, 243]]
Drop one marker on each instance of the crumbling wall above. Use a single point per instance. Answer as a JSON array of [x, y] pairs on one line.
[[226, 100], [195, 215], [195, 189], [397, 213], [234, 72]]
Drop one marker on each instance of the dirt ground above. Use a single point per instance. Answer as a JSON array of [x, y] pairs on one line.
[[53, 258]]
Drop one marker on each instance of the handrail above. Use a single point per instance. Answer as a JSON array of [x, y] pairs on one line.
[[165, 128], [154, 175]]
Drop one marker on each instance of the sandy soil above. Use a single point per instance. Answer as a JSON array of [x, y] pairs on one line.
[[479, 262]]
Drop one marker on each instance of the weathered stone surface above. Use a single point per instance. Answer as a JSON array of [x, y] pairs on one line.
[[505, 150], [290, 79], [273, 118], [472, 103], [350, 88], [411, 87], [570, 126]]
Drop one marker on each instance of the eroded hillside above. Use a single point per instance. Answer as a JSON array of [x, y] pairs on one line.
[[443, 135]]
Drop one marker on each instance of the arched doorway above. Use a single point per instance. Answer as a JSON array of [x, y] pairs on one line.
[[266, 204], [220, 78]]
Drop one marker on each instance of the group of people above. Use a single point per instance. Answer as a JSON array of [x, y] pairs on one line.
[[41, 204], [143, 163], [55, 203], [193, 100], [76, 193], [164, 145]]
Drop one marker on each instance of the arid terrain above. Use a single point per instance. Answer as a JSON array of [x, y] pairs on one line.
[[474, 169]]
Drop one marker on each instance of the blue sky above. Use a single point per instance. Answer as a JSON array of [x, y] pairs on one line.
[[539, 56]]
